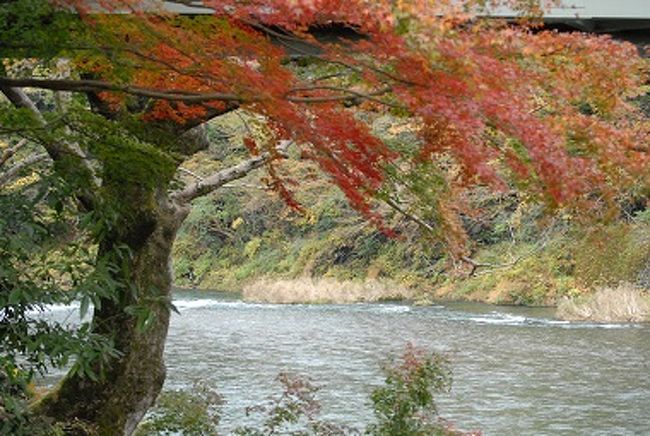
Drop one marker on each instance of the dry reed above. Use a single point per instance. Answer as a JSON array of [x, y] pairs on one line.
[[624, 303], [324, 290]]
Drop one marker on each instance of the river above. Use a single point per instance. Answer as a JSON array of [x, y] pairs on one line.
[[516, 371]]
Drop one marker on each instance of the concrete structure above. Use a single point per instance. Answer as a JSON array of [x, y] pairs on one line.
[[595, 15], [587, 15], [625, 19]]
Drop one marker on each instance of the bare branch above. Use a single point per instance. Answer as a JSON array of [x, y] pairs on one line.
[[245, 186], [416, 219], [292, 42], [352, 95], [539, 245], [8, 153], [20, 99], [55, 150], [190, 173], [227, 175], [14, 170], [89, 85], [93, 86]]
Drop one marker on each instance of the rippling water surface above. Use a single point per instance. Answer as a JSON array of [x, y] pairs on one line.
[[516, 371]]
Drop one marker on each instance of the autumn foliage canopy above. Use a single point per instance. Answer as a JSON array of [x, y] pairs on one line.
[[506, 106]]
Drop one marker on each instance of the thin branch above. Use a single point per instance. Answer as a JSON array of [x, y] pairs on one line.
[[287, 39], [89, 85], [476, 265], [473, 263], [245, 186], [190, 173], [55, 150], [19, 99], [220, 178], [416, 219], [539, 245], [353, 95], [8, 153], [14, 170]]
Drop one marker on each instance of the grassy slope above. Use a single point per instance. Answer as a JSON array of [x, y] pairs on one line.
[[243, 234]]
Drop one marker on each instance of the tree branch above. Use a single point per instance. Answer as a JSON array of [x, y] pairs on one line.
[[55, 150], [352, 95], [8, 153], [89, 85], [416, 219], [14, 170], [92, 86], [20, 99], [220, 178], [190, 173]]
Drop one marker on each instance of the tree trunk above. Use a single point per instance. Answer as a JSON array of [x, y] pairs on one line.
[[116, 403]]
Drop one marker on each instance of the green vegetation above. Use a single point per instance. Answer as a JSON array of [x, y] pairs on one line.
[[190, 413], [247, 240], [44, 259], [403, 406]]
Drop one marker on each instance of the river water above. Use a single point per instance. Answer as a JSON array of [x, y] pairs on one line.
[[516, 371]]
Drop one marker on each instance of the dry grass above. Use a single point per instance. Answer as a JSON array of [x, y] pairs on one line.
[[325, 290], [624, 303]]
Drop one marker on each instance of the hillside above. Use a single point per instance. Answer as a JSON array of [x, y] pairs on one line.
[[243, 238]]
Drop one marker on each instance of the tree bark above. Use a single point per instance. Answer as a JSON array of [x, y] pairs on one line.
[[115, 404]]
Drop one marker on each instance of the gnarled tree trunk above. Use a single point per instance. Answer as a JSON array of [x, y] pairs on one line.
[[116, 403]]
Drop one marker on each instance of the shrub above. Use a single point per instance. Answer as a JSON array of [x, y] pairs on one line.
[[45, 259], [295, 411], [405, 405], [194, 412]]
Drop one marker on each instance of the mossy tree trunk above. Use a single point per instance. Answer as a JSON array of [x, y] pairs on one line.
[[148, 218], [116, 403]]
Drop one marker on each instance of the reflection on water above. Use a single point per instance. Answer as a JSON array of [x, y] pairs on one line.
[[516, 371]]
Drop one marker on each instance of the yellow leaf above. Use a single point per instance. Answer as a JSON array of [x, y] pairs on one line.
[[238, 222]]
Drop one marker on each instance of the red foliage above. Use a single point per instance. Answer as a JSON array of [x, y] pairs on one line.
[[504, 102]]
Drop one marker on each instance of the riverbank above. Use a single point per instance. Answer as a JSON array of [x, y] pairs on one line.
[[623, 303], [324, 290], [245, 239], [562, 264]]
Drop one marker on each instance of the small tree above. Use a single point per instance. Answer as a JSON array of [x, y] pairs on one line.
[[405, 405]]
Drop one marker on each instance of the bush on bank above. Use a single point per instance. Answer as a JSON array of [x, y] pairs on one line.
[[403, 406]]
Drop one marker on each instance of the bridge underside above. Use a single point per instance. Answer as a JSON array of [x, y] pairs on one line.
[[603, 25], [628, 20], [634, 31]]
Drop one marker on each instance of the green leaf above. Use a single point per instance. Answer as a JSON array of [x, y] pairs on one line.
[[15, 296], [83, 308]]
